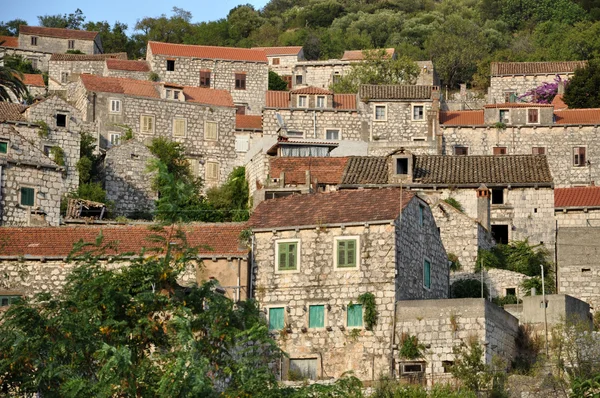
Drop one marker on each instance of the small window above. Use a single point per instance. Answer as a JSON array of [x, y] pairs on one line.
[[34, 40], [179, 127], [427, 274], [418, 112], [299, 79], [579, 156], [302, 369], [47, 149], [511, 291], [412, 368], [499, 150], [240, 109], [3, 146], [538, 150], [276, 318], [71, 44], [288, 80], [461, 150], [64, 77], [27, 196], [421, 215], [510, 96], [34, 63], [347, 253], [354, 316], [147, 124], [402, 166], [497, 196], [115, 106], [242, 143], [337, 77], [212, 171], [287, 256], [316, 316], [205, 78], [170, 65], [332, 134], [500, 233], [8, 300], [61, 120], [240, 81], [381, 112], [447, 366], [504, 114], [533, 116], [176, 94], [275, 61], [115, 139], [294, 133], [211, 131], [321, 101], [302, 101]]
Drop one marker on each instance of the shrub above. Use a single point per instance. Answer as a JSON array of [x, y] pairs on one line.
[[411, 348], [455, 265], [454, 203], [468, 288]]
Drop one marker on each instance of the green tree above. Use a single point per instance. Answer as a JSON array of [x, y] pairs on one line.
[[231, 199], [523, 13], [20, 64], [583, 90], [69, 21], [11, 82], [469, 367], [11, 28], [242, 21], [114, 39], [276, 83]]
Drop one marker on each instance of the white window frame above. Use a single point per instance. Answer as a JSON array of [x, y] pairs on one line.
[[206, 176], [298, 104], [573, 153], [335, 252], [325, 314], [112, 102], [324, 98], [175, 120], [412, 112], [332, 128], [527, 116], [206, 137], [423, 273], [113, 134], [385, 107], [500, 118], [267, 315], [298, 256], [35, 192], [142, 131]]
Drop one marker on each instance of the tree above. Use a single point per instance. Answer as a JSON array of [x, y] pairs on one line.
[[231, 199], [11, 28], [113, 40], [11, 82], [70, 21], [583, 90], [276, 83], [469, 367], [20, 64]]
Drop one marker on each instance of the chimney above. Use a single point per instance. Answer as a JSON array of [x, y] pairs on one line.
[[561, 88], [483, 206]]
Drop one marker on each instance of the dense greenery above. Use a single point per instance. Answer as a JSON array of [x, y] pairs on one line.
[[11, 82], [468, 288], [230, 201], [583, 90], [386, 388], [276, 83]]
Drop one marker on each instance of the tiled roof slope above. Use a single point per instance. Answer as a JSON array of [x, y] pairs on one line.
[[577, 116], [517, 105], [128, 65], [327, 170], [208, 52], [211, 239], [271, 51], [87, 57], [209, 96], [311, 90], [58, 32], [22, 151], [457, 170], [559, 103], [462, 118], [249, 122], [394, 91], [31, 79], [365, 170], [357, 55], [534, 68], [9, 41], [340, 207], [11, 112], [277, 99], [344, 101], [577, 197]]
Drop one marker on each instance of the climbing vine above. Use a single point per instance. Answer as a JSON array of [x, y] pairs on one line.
[[44, 130], [411, 348], [370, 314], [58, 155]]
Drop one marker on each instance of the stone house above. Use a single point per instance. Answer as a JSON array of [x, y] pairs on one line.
[[283, 59], [510, 80], [64, 69], [34, 259], [35, 87], [201, 119], [248, 129], [58, 40], [243, 72], [31, 184], [9, 45], [577, 207], [314, 255], [116, 67]]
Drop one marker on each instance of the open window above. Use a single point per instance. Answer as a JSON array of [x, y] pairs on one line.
[[497, 196], [61, 120], [500, 233]]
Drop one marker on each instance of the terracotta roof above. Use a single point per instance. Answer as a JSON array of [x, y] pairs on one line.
[[518, 105], [87, 57], [217, 239], [577, 116], [123, 64], [395, 91], [535, 68], [340, 207], [11, 112], [207, 52], [31, 79], [58, 32], [23, 152], [9, 41], [248, 122], [462, 118], [311, 90], [366, 170], [358, 55], [344, 101], [277, 99], [457, 170], [208, 96], [271, 51], [577, 197], [558, 103], [327, 170]]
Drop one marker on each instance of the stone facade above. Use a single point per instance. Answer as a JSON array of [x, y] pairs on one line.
[[502, 86], [584, 217], [39, 59], [58, 44], [313, 123], [497, 280], [398, 124]]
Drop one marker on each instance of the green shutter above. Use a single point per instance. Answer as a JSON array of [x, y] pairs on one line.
[[276, 318], [355, 317], [287, 255], [316, 316], [341, 249], [27, 196], [3, 147], [427, 274], [346, 252], [421, 215]]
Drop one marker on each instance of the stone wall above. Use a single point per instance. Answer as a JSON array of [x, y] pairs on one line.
[[497, 280], [59, 45], [398, 125], [286, 64], [232, 274], [127, 74], [577, 218], [39, 59], [518, 84], [73, 69]]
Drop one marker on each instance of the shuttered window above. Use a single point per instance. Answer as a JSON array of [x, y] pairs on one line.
[[426, 274], [287, 256], [3, 146], [276, 318], [538, 150], [205, 78], [146, 124], [242, 143], [240, 81], [211, 129], [27, 196], [346, 253], [179, 127], [533, 116], [499, 150], [212, 171], [579, 156], [355, 316], [316, 316]]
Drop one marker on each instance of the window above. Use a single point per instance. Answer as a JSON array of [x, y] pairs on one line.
[[504, 113], [240, 109], [8, 300], [204, 78], [240, 81], [354, 316], [533, 116], [294, 133], [579, 156], [170, 65], [179, 127], [211, 131], [176, 94], [499, 150], [421, 215], [500, 234], [275, 61], [242, 143], [172, 94], [302, 101], [3, 146], [511, 291], [447, 366], [47, 149], [147, 124], [418, 112], [538, 150], [461, 150], [64, 77], [332, 134], [402, 166], [321, 101], [346, 253], [380, 112], [61, 120], [212, 171], [71, 44], [426, 274], [287, 255], [316, 316], [115, 139], [510, 96], [34, 63], [302, 369], [27, 196], [276, 318], [497, 196], [115, 106], [299, 79], [288, 80], [337, 77], [34, 40]]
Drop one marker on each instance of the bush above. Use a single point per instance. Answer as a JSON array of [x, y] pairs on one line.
[[468, 288], [454, 203], [411, 348], [455, 265], [387, 388]]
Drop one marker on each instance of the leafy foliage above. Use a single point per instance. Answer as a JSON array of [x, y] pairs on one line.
[[410, 347], [387, 388], [370, 309], [545, 93], [73, 20], [11, 82], [20, 64], [468, 288], [276, 83], [583, 90], [58, 155], [455, 264], [454, 203], [230, 201], [469, 367]]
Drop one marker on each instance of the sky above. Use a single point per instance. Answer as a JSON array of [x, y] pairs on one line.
[[126, 11]]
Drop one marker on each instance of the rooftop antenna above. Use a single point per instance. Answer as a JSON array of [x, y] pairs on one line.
[[280, 123]]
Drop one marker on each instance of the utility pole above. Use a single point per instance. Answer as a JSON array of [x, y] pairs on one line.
[[544, 304], [482, 277]]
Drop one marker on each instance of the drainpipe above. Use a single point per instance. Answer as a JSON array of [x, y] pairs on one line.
[[239, 287], [251, 261], [315, 125]]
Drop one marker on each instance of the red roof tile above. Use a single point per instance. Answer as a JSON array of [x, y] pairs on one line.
[[208, 52], [249, 122], [535, 68], [577, 116], [462, 118], [217, 239], [31, 79], [358, 55], [11, 111], [9, 41], [558, 103], [58, 32], [208, 96], [518, 105], [277, 99], [326, 170], [311, 90], [344, 101], [577, 197], [134, 66], [340, 207], [271, 51]]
